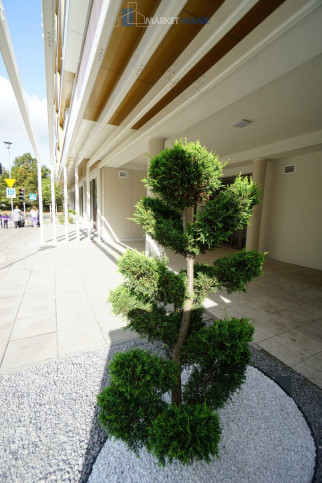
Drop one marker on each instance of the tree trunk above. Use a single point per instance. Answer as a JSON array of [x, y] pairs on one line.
[[176, 393]]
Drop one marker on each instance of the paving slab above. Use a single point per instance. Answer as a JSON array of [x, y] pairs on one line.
[[29, 351], [79, 339], [33, 326]]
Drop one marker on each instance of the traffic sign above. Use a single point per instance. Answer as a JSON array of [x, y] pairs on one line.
[[33, 197], [10, 182], [11, 192]]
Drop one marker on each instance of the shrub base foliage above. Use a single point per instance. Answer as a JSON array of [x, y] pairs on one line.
[[157, 304]]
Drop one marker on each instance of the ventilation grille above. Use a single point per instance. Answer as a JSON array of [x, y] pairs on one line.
[[242, 123], [289, 169], [122, 174]]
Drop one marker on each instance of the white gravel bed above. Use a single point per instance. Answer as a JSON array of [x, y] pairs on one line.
[[48, 420], [265, 438], [49, 431]]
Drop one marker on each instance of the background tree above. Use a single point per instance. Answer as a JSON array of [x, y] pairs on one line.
[[167, 307], [24, 170], [46, 193]]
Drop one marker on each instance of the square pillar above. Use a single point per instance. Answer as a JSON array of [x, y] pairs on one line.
[[253, 230]]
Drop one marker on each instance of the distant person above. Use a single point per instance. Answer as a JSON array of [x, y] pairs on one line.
[[34, 216], [16, 216], [1, 221], [5, 219], [22, 220]]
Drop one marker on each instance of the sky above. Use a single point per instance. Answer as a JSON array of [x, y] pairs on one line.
[[24, 23]]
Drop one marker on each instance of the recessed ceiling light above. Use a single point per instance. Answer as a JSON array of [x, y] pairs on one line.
[[242, 123]]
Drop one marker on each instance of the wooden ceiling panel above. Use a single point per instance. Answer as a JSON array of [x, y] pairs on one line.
[[104, 84], [122, 45], [124, 39], [139, 90], [169, 49], [254, 17], [250, 21], [174, 43], [91, 113], [94, 166], [178, 38], [170, 96], [204, 8], [215, 54]]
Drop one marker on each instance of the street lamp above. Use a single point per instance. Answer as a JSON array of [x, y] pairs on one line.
[[8, 144]]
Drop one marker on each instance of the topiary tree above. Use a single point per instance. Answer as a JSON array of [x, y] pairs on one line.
[[167, 307]]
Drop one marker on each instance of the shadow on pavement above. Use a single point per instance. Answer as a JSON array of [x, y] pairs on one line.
[[27, 256], [72, 235]]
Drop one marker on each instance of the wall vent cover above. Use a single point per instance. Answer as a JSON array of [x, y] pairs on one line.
[[122, 174], [289, 169], [242, 123]]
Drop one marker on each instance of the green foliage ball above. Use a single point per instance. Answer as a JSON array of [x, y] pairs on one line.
[[185, 433], [219, 355], [133, 400], [137, 370], [185, 174]]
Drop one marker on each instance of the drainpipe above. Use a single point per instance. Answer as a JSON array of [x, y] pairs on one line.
[[53, 201], [65, 203], [77, 203], [99, 205], [88, 204]]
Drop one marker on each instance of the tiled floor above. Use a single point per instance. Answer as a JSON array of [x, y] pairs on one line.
[[53, 302], [285, 305]]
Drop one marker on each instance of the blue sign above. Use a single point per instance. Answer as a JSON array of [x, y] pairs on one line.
[[33, 197], [11, 192]]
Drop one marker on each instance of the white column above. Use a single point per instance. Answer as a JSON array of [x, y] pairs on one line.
[[99, 204], [155, 145], [77, 202], [88, 204], [65, 203], [41, 212], [53, 201], [253, 230]]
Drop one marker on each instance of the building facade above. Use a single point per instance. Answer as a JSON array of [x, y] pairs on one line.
[[126, 79]]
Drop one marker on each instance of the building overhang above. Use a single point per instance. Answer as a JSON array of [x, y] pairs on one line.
[[253, 60]]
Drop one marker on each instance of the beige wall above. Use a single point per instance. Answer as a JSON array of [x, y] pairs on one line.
[[119, 198], [291, 226]]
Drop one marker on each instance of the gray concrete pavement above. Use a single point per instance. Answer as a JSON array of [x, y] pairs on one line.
[[53, 297], [53, 302]]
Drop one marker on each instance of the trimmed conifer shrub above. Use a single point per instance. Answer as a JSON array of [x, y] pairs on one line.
[[167, 307]]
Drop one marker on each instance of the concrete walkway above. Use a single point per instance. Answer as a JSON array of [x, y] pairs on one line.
[[53, 302], [53, 297]]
